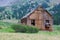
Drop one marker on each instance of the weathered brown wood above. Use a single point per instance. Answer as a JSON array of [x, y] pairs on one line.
[[41, 18]]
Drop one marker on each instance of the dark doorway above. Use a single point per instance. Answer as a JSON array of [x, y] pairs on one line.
[[47, 24], [33, 22]]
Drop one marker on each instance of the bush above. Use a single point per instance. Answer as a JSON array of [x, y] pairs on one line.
[[7, 30], [57, 28], [31, 29], [24, 28]]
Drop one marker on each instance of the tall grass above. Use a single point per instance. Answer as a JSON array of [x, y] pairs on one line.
[[56, 27], [6, 27], [11, 27]]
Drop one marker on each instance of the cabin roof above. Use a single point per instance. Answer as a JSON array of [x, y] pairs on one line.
[[33, 11], [27, 14]]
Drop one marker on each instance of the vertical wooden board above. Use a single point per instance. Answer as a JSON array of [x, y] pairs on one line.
[[28, 22]]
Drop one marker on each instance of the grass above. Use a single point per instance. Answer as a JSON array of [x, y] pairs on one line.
[[5, 27], [26, 36], [7, 30], [6, 33]]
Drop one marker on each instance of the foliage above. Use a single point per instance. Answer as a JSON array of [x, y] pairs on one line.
[[24, 28], [56, 15], [16, 11], [57, 27], [5, 24], [8, 29]]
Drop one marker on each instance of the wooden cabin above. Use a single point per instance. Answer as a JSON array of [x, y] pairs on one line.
[[38, 17]]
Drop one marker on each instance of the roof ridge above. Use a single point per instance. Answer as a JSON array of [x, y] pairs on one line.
[[33, 11]]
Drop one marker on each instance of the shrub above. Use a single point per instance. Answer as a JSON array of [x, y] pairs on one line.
[[24, 28], [7, 30], [57, 27], [0, 27], [31, 29]]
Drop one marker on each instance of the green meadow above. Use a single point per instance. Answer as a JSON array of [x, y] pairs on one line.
[[7, 33]]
